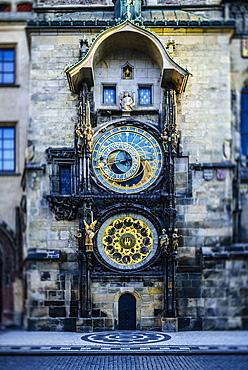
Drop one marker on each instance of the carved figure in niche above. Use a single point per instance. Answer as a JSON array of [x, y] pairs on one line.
[[164, 240], [89, 235], [84, 130], [127, 72], [175, 241], [84, 138], [127, 101], [79, 236]]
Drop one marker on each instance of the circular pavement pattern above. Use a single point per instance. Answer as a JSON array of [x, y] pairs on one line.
[[123, 337]]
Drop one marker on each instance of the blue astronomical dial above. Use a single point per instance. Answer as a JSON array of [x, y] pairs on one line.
[[127, 159]]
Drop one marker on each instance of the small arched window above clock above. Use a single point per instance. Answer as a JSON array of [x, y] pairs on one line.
[[127, 71]]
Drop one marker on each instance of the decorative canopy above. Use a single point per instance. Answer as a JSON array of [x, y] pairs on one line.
[[127, 36]]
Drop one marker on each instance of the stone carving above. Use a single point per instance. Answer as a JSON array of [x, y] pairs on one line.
[[84, 130], [64, 208], [127, 101], [79, 237], [238, 12], [59, 153]]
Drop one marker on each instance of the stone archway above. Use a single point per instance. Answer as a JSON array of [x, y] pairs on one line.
[[127, 312], [117, 302]]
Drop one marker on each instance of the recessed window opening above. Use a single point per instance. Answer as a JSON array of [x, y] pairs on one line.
[[7, 149], [65, 179], [145, 95], [109, 94], [7, 66]]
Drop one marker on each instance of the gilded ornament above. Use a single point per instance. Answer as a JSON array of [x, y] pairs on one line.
[[89, 235], [127, 240]]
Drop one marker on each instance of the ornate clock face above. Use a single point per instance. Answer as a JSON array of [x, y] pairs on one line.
[[127, 241], [127, 159]]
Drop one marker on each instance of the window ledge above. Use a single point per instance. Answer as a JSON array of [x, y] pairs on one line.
[[9, 85], [2, 173]]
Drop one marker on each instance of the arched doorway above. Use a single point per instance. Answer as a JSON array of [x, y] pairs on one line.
[[127, 312], [7, 271]]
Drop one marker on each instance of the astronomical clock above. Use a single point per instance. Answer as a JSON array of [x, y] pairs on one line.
[[127, 162]]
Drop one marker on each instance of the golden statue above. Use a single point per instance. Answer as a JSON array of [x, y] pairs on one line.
[[175, 241], [164, 240], [89, 235]]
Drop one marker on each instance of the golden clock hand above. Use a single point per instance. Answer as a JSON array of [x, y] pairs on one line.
[[120, 161]]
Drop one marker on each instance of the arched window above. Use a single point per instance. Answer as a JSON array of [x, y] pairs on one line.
[[24, 7], [244, 122], [5, 7]]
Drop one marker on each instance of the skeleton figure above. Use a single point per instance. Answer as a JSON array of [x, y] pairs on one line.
[[165, 139], [175, 241]]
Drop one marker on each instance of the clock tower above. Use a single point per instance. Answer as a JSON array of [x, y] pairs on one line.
[[126, 142]]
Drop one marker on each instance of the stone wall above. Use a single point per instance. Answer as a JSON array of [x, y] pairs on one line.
[[105, 296], [53, 292], [217, 298], [204, 205]]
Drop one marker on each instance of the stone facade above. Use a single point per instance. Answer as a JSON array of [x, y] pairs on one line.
[[192, 66]]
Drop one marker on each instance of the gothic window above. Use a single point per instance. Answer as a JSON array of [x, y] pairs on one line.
[[7, 66], [62, 171], [145, 95], [244, 122], [7, 149], [65, 179], [109, 94]]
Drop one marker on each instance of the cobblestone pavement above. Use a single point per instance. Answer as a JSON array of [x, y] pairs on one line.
[[193, 362], [21, 342]]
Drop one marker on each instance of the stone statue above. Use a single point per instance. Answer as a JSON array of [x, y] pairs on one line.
[[164, 240], [129, 3], [89, 235], [127, 101]]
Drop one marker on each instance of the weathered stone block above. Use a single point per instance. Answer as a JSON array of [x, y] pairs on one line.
[[169, 324], [57, 311]]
